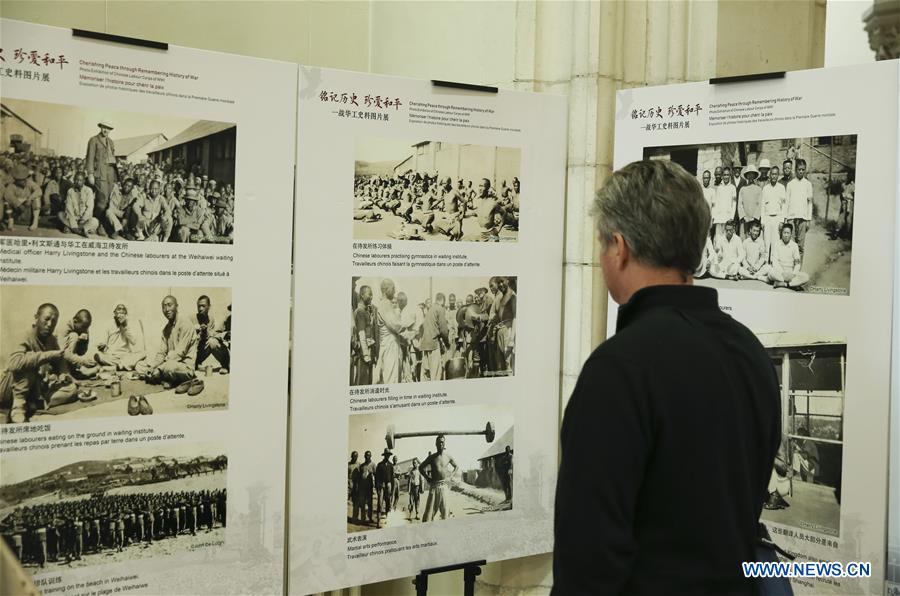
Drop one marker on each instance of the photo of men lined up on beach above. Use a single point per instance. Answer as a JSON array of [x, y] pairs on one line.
[[76, 509], [82, 172], [782, 211], [433, 190]]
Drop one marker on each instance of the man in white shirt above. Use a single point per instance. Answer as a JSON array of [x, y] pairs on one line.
[[78, 215], [773, 202], [786, 261], [724, 204], [729, 254], [754, 264], [707, 259], [749, 206], [123, 344], [387, 370], [799, 195]]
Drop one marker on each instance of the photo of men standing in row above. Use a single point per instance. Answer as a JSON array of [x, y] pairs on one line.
[[782, 211], [433, 190], [415, 329], [76, 510], [70, 172], [104, 351]]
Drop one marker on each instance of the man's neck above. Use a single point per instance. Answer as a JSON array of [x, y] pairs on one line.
[[645, 277]]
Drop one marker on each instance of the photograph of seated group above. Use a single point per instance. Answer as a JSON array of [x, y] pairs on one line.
[[433, 190], [89, 352]]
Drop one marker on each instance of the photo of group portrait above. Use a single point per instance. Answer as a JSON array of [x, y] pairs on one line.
[[782, 211]]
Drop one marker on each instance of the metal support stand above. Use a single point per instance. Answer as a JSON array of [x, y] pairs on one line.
[[470, 572]]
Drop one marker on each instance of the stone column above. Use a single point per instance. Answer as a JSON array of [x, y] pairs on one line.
[[588, 51], [882, 23]]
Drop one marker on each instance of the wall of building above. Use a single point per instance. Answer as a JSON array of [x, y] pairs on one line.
[[10, 125]]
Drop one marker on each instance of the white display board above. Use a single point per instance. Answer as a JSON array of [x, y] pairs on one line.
[[829, 338], [92, 471], [377, 215]]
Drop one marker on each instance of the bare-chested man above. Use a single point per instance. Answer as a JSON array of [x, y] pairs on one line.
[[449, 221], [436, 470]]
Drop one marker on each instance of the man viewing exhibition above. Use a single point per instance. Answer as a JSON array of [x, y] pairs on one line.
[[664, 468]]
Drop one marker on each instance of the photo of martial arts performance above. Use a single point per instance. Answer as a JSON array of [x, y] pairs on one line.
[[415, 329], [73, 352], [71, 171], [426, 465], [805, 488], [73, 510], [782, 211], [432, 190]]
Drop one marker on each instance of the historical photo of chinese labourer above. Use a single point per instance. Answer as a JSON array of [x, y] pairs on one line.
[[73, 510], [70, 172], [805, 488], [782, 211], [87, 352], [434, 190], [427, 465], [415, 329]]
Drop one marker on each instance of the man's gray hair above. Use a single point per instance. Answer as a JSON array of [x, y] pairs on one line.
[[660, 211]]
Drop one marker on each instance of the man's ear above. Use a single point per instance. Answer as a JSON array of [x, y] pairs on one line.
[[621, 251]]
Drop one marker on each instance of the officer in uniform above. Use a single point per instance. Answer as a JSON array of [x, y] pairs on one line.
[[100, 165]]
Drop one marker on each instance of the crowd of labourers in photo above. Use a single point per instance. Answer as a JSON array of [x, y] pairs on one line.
[[396, 341], [67, 531], [439, 205], [100, 195]]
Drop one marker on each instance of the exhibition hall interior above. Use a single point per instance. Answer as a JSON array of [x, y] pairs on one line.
[[616, 323]]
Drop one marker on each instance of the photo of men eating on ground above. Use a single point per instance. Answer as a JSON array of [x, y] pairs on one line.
[[89, 352]]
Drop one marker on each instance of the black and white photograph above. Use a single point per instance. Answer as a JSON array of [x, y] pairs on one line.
[[805, 486], [433, 190], [74, 352], [782, 211], [426, 465], [70, 511], [71, 171], [417, 329]]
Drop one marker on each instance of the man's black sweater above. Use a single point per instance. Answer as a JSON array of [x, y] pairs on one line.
[[667, 444]]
